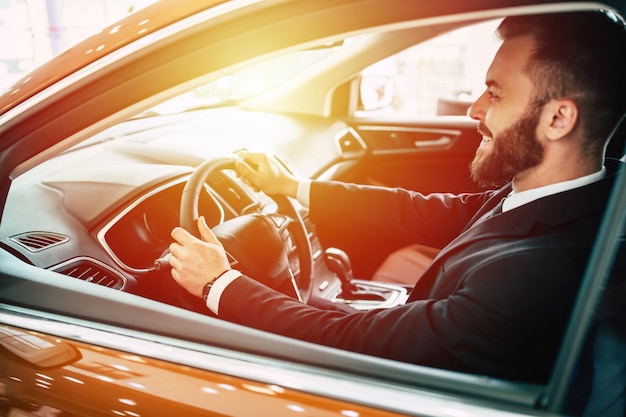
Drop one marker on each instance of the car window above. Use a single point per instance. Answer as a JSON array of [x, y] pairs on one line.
[[442, 76]]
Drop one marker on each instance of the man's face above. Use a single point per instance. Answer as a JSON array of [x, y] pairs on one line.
[[514, 150], [508, 118]]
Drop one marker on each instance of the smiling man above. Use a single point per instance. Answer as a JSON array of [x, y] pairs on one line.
[[515, 147], [537, 149], [497, 298]]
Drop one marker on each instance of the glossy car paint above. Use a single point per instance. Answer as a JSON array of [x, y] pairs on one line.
[[113, 372], [78, 378]]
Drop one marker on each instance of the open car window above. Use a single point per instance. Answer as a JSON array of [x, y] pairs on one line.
[[86, 229]]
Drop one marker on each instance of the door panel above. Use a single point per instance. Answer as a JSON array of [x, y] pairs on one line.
[[427, 157]]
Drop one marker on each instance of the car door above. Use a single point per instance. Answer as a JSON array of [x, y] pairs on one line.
[[428, 156]]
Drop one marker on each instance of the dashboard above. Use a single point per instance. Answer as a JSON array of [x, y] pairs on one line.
[[104, 210]]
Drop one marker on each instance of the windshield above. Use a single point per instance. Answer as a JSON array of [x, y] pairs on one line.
[[248, 82]]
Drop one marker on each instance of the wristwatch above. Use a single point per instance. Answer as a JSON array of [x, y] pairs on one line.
[[207, 288], [208, 285], [212, 291]]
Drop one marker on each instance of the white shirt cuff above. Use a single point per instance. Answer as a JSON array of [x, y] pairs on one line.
[[218, 287], [303, 193]]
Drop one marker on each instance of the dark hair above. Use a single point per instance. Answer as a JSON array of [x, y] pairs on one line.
[[581, 56]]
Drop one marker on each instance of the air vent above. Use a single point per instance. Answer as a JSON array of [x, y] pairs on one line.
[[91, 271], [38, 241]]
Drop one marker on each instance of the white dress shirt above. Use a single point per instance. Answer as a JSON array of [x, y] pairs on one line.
[[516, 199]]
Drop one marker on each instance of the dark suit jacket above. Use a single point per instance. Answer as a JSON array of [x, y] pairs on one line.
[[495, 301]]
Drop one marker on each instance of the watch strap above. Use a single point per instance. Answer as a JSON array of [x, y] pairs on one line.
[[212, 291]]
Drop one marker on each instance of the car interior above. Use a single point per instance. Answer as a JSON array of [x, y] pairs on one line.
[[90, 222]]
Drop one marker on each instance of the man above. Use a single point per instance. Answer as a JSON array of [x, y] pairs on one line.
[[497, 298]]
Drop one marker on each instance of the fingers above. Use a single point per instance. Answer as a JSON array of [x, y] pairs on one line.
[[244, 169], [174, 260], [253, 160], [254, 164], [206, 233], [254, 169], [254, 157], [183, 237], [195, 261], [263, 172]]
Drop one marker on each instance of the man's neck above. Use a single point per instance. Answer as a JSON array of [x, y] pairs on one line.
[[519, 198], [547, 174]]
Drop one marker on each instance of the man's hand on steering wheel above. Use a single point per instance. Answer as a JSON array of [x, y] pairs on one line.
[[262, 245], [195, 261], [266, 173]]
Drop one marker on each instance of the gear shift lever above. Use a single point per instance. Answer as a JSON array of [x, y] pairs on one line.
[[339, 263]]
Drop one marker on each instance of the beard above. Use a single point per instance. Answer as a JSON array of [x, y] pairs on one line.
[[514, 150]]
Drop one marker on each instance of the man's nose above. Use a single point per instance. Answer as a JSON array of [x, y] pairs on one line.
[[477, 110]]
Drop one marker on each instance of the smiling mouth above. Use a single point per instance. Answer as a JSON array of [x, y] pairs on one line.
[[487, 140], [484, 131]]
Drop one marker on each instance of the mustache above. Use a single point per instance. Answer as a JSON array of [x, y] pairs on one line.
[[484, 130]]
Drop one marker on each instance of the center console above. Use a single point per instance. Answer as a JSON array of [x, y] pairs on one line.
[[372, 295], [361, 294]]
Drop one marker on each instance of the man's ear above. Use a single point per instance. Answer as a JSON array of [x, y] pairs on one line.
[[562, 118]]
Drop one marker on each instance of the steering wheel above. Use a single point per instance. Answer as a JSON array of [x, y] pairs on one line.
[[258, 244]]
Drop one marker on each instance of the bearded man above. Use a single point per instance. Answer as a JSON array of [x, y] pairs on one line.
[[497, 298]]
